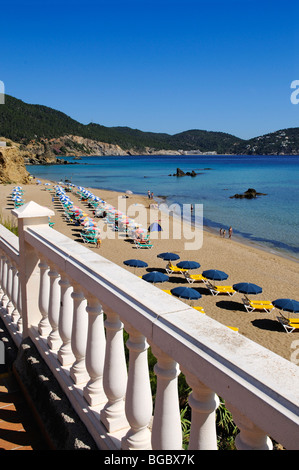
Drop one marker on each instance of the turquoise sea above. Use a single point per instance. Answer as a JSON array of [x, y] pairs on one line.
[[270, 221]]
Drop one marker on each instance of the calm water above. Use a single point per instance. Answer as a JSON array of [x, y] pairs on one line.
[[272, 221]]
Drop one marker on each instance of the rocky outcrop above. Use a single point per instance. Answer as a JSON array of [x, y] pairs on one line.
[[12, 166], [249, 194], [180, 172]]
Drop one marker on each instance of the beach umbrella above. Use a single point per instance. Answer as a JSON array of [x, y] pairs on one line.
[[188, 265], [168, 256], [288, 305], [247, 288], [186, 293], [155, 276], [155, 227], [215, 275], [136, 263]]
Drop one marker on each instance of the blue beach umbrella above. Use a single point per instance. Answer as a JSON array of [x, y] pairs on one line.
[[247, 288], [168, 256], [155, 276], [215, 275], [188, 265], [155, 227], [186, 293], [289, 305], [136, 263]]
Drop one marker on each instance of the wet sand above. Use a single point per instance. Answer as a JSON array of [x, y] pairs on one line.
[[278, 276]]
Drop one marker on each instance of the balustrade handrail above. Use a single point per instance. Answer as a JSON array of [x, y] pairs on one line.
[[260, 385]]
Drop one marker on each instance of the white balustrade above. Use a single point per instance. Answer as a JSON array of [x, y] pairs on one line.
[[65, 354], [167, 410], [54, 340], [138, 395], [61, 291], [79, 336], [115, 375], [203, 403], [9, 288], [44, 326], [95, 352], [5, 298], [250, 437], [14, 297]]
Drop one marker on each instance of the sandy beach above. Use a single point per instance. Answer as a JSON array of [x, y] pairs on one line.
[[278, 276]]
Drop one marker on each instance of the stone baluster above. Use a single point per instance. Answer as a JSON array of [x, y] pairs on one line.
[[44, 326], [65, 354], [19, 306], [138, 405], [15, 289], [78, 370], [54, 340], [95, 352], [203, 403], [2, 257], [250, 437], [115, 375], [4, 299], [9, 287], [166, 430]]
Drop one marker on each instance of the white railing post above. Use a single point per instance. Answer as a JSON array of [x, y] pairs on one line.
[[78, 370], [115, 375], [138, 405], [95, 353], [54, 340], [4, 299], [65, 354], [19, 306], [44, 326], [29, 275], [2, 257], [250, 437], [15, 313], [166, 430], [9, 305], [203, 403]]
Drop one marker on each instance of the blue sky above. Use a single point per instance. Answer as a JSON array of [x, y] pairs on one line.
[[160, 66]]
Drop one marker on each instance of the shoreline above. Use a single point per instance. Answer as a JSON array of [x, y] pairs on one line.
[[277, 275]]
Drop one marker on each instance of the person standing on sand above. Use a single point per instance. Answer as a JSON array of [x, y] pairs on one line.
[[230, 232]]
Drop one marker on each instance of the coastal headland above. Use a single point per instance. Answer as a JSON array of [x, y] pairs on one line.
[[278, 276]]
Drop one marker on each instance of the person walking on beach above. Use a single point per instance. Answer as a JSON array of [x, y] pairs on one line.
[[149, 194], [230, 232]]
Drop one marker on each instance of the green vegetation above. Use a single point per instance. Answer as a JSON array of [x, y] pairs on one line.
[[10, 224], [22, 123]]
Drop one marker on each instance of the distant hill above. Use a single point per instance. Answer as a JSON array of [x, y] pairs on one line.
[[24, 123]]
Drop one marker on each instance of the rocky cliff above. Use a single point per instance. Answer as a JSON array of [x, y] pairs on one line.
[[12, 166]]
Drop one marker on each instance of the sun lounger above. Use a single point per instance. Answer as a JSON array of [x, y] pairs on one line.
[[194, 277], [234, 328], [170, 269], [200, 309], [289, 324], [88, 238], [140, 244], [216, 290], [263, 305]]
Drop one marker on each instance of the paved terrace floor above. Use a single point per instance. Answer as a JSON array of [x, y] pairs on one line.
[[18, 428]]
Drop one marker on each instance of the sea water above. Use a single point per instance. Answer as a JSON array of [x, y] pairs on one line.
[[270, 221]]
